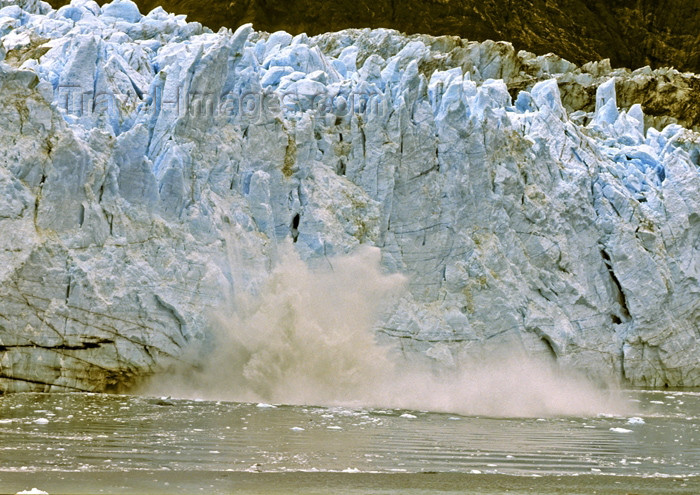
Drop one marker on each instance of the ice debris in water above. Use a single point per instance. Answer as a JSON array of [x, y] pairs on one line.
[[620, 430], [33, 491], [634, 420]]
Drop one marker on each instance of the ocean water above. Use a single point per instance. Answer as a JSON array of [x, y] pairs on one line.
[[95, 443]]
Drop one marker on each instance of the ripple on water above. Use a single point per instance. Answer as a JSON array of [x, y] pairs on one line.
[[120, 433]]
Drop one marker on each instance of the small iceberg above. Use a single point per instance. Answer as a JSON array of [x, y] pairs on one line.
[[620, 430]]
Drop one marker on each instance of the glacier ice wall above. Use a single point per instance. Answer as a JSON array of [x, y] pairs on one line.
[[527, 200]]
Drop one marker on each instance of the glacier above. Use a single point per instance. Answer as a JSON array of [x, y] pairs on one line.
[[527, 200]]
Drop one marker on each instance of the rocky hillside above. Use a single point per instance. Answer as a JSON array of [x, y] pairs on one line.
[[631, 33]]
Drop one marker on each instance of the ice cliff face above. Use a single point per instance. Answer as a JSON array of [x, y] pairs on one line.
[[140, 152]]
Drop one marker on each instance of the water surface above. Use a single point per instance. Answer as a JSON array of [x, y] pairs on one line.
[[93, 442]]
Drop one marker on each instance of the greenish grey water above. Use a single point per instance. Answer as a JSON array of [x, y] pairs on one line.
[[91, 443]]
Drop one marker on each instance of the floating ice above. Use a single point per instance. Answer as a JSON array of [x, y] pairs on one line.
[[621, 430]]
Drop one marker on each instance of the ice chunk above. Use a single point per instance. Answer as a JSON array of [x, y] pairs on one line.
[[273, 76], [546, 95], [620, 430], [637, 115], [349, 58], [122, 9], [71, 12], [11, 11], [525, 103], [493, 93], [606, 112]]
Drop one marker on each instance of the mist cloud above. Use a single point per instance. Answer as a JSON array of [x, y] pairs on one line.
[[308, 338]]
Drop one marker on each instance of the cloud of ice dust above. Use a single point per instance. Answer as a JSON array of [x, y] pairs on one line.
[[308, 338]]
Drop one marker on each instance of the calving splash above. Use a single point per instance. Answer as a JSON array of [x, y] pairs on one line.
[[308, 337]]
